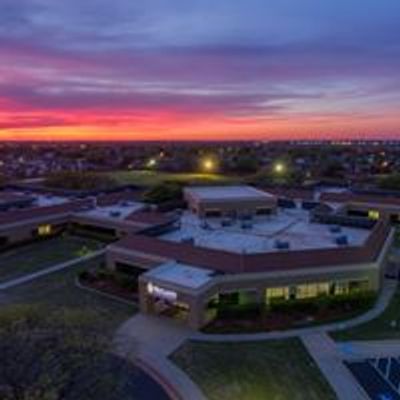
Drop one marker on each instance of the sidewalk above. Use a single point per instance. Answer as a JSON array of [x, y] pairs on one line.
[[149, 341], [325, 353], [55, 268]]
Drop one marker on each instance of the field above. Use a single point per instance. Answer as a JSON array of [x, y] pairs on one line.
[[150, 178], [59, 290], [32, 257], [274, 370], [386, 326]]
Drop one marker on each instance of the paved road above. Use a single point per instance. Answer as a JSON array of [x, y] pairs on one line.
[[55, 268]]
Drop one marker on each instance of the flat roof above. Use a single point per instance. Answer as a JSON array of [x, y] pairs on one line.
[[183, 275], [229, 262], [262, 233], [119, 211], [227, 192]]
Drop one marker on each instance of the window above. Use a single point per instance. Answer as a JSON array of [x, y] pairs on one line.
[[358, 286], [44, 230], [341, 288], [277, 293], [373, 214], [312, 290]]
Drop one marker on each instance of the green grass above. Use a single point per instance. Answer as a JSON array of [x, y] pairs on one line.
[[59, 290], [35, 256], [379, 328], [150, 178], [273, 370]]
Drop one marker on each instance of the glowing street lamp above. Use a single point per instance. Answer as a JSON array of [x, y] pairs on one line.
[[208, 165], [279, 168], [151, 163]]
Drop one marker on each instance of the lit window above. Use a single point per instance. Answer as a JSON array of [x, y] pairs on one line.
[[278, 293], [373, 214], [341, 287], [312, 290], [44, 230]]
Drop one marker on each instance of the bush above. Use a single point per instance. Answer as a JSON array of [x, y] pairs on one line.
[[390, 182], [164, 192], [239, 311], [345, 302], [105, 274], [126, 282]]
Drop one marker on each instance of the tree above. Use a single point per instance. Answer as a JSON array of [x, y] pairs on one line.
[[164, 192], [55, 356], [80, 181], [390, 182], [246, 163]]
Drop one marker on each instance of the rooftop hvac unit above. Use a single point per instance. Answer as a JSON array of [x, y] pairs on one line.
[[336, 229], [342, 240], [282, 245], [188, 240]]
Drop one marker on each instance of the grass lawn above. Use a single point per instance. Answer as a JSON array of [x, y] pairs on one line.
[[149, 178], [59, 290], [378, 329], [273, 370], [35, 256]]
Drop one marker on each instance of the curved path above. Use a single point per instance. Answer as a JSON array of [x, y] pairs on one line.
[[55, 268], [387, 292], [156, 338], [148, 342]]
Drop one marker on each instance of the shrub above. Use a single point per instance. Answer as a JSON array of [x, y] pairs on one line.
[[164, 192]]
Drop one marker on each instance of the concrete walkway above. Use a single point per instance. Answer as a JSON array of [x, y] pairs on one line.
[[55, 268], [149, 341], [325, 353], [387, 292], [360, 350], [156, 338]]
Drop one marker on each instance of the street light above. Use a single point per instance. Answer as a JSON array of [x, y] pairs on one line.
[[279, 168], [208, 165], [151, 163]]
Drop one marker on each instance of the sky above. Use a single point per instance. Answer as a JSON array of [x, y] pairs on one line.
[[199, 69]]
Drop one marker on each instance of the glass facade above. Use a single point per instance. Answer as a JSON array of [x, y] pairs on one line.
[[310, 290]]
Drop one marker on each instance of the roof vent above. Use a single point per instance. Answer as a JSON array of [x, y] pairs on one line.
[[282, 245], [342, 240], [336, 229]]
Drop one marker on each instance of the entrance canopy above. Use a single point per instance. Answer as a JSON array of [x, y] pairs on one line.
[[180, 277]]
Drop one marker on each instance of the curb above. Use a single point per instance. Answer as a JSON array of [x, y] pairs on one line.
[[172, 392], [103, 294]]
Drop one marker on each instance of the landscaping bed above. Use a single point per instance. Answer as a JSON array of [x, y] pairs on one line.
[[284, 315], [110, 282], [59, 291], [36, 256]]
